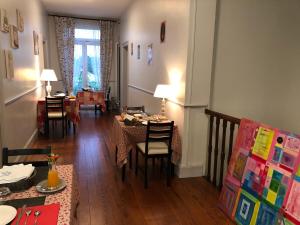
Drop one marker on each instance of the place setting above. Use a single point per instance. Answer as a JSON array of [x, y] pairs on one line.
[[36, 183]]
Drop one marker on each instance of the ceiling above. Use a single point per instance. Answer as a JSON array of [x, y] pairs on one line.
[[87, 8]]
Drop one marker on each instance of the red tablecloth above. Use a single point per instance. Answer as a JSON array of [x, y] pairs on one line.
[[71, 107], [92, 98]]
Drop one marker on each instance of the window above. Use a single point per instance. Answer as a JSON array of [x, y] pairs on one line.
[[86, 60]]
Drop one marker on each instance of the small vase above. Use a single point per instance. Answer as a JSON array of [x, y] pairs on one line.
[[52, 176]]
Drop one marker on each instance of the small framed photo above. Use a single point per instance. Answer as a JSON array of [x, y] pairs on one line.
[[35, 43], [4, 26], [20, 21], [138, 52], [14, 36], [149, 54], [163, 32], [9, 64]]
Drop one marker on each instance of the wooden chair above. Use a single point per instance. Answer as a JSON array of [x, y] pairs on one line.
[[157, 145], [25, 152], [55, 111]]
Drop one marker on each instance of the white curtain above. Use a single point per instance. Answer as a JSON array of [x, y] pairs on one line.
[[106, 51], [65, 28]]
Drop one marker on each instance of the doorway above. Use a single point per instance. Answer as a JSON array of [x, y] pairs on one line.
[[123, 79]]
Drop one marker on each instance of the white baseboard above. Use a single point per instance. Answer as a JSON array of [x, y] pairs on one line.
[[192, 171], [27, 144]]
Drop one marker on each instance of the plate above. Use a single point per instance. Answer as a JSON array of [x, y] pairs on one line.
[[7, 214], [145, 123], [43, 186]]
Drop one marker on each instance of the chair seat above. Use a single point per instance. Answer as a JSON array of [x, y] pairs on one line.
[[56, 115], [154, 148]]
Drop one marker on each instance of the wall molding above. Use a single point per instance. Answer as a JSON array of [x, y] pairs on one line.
[[192, 171], [191, 105], [17, 97]]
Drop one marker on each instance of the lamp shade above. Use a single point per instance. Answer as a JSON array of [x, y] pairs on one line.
[[162, 91], [48, 75]]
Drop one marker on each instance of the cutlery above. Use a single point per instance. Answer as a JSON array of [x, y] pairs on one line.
[[20, 214], [28, 212], [36, 214]]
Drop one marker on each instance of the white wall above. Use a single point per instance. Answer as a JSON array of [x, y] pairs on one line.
[[140, 25], [18, 122], [257, 69]]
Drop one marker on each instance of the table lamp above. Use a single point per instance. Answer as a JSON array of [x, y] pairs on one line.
[[162, 91], [48, 75]]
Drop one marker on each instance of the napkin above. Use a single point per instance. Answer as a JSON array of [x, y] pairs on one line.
[[10, 174], [48, 214]]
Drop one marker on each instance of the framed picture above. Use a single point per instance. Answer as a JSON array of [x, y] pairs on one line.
[[4, 26], [20, 21], [9, 64], [14, 36], [138, 52], [149, 54], [35, 43], [131, 48], [163, 32]]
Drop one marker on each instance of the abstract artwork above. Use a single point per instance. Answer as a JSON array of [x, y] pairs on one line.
[[20, 21], [262, 184], [14, 37], [4, 26], [35, 43], [9, 64]]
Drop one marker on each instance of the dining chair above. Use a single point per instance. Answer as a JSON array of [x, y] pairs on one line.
[[25, 152], [132, 108], [55, 111], [157, 145]]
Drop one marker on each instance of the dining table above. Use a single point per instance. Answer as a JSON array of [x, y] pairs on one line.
[[125, 138], [68, 198], [71, 106]]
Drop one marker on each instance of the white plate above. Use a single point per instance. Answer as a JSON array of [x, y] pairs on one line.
[[145, 123], [43, 188], [7, 214]]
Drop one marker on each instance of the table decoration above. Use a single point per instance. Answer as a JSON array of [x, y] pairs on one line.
[[53, 178]]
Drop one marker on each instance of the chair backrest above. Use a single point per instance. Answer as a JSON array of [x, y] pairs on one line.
[[26, 152], [159, 132], [54, 104], [136, 108]]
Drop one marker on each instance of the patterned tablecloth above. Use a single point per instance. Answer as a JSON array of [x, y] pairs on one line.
[[68, 198], [71, 107], [125, 138], [92, 98]]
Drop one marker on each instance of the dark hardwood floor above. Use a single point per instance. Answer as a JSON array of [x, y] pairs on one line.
[[104, 199]]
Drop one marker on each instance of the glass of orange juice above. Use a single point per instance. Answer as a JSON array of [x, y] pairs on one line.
[[53, 178]]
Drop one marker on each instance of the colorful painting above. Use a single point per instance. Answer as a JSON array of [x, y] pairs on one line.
[[276, 186], [228, 198], [266, 215], [247, 209], [262, 184], [254, 177], [263, 143]]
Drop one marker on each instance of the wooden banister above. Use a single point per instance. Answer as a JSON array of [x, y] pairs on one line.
[[216, 155]]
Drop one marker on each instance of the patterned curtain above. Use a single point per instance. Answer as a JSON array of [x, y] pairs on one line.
[[106, 51], [65, 35]]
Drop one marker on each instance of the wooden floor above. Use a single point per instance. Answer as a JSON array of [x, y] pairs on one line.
[[104, 199]]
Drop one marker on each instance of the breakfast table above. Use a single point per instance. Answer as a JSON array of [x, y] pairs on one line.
[[68, 198], [125, 137], [71, 106]]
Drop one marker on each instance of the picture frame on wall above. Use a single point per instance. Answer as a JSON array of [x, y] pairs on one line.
[[4, 26], [131, 48], [20, 21], [150, 54], [9, 64], [14, 36], [35, 43], [138, 52]]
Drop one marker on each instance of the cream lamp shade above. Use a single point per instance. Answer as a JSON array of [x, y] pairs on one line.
[[48, 75], [163, 91]]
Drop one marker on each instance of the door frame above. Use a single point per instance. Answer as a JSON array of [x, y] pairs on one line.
[[123, 81]]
